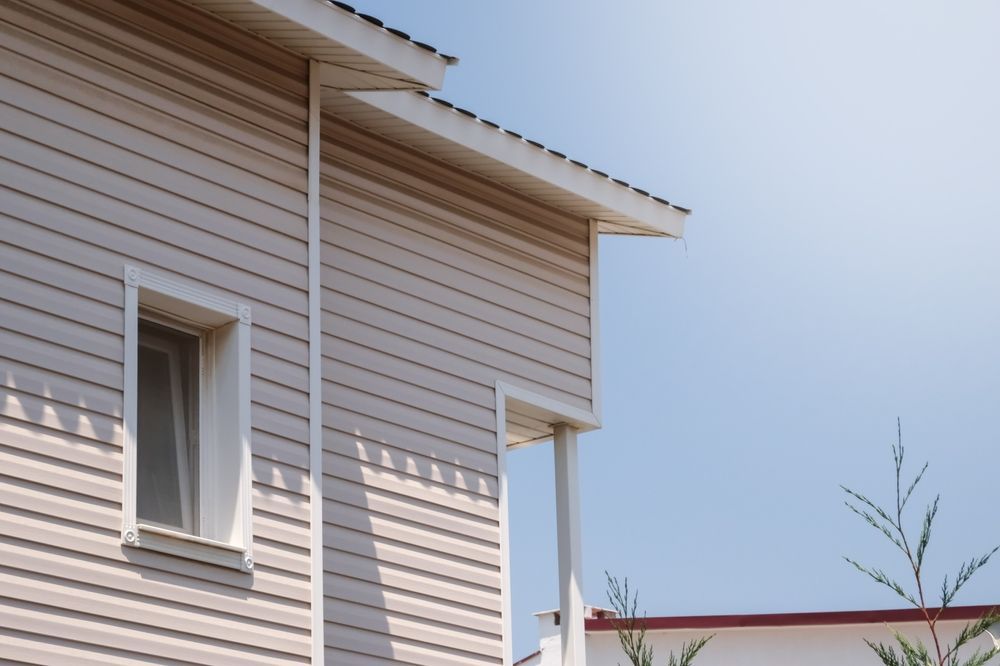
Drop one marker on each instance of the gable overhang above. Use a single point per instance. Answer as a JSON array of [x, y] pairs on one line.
[[356, 52], [467, 142], [368, 74]]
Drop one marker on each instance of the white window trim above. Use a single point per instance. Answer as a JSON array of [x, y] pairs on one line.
[[205, 310]]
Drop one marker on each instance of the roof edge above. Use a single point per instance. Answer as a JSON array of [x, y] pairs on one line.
[[416, 64], [776, 620], [636, 212]]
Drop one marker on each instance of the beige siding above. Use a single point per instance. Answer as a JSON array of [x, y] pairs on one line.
[[435, 286], [142, 132]]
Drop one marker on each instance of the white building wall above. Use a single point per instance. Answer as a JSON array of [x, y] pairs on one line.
[[817, 645], [840, 645]]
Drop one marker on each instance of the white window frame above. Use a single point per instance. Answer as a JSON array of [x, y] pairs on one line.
[[224, 509]]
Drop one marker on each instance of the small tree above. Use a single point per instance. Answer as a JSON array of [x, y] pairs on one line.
[[631, 629], [890, 524]]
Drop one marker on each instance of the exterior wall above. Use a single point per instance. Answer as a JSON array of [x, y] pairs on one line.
[[142, 132], [816, 645], [435, 286], [789, 646]]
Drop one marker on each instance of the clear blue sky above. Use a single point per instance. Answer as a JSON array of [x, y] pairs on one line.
[[841, 268]]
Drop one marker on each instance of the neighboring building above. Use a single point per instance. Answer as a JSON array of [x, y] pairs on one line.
[[269, 320], [817, 639]]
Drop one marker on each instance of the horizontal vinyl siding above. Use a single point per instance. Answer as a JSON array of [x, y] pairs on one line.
[[143, 133], [434, 286]]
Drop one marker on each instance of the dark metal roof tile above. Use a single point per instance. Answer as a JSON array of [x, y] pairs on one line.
[[489, 122], [599, 173], [579, 164], [425, 46], [535, 144], [465, 111], [443, 102], [398, 33], [371, 19], [556, 153]]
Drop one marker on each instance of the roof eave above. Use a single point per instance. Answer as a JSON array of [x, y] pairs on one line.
[[409, 66], [624, 211]]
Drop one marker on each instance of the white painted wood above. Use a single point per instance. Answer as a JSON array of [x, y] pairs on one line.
[[315, 371], [567, 483], [505, 589]]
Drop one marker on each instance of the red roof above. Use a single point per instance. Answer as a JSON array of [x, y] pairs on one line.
[[796, 619]]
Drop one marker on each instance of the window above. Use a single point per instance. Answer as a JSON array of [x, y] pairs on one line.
[[168, 387], [187, 422]]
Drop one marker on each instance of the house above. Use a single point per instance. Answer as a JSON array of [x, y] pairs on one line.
[[776, 639], [270, 319]]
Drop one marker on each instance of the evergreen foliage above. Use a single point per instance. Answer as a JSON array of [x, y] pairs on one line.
[[631, 629], [890, 524]]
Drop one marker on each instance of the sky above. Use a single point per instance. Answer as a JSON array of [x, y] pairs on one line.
[[840, 270]]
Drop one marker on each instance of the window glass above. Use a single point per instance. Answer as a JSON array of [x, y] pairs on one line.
[[167, 432]]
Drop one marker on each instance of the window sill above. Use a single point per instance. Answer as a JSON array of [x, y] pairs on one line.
[[189, 546]]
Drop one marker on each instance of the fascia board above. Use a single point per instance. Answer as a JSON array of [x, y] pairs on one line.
[[414, 64], [546, 408], [656, 219]]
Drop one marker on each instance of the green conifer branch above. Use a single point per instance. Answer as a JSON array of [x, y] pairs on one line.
[[916, 653], [631, 629]]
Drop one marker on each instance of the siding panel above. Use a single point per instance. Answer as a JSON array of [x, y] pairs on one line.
[[146, 133], [433, 288]]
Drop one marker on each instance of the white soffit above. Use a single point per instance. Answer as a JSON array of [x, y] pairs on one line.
[[459, 138], [358, 53]]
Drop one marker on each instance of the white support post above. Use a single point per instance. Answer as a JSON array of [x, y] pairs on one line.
[[505, 602], [570, 549]]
